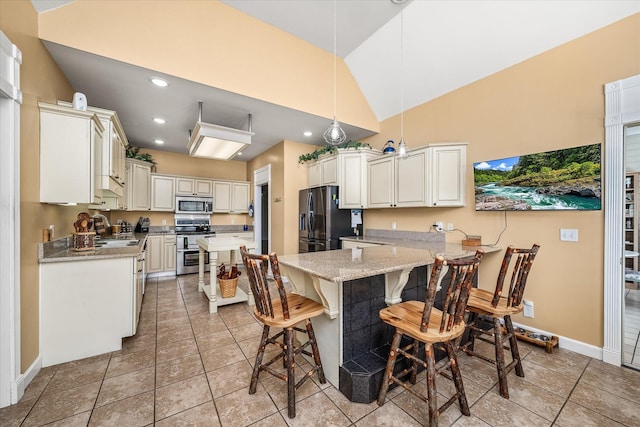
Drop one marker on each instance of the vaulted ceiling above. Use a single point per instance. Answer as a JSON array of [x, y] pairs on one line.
[[446, 45]]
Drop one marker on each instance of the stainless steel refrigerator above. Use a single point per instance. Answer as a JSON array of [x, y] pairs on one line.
[[320, 222]]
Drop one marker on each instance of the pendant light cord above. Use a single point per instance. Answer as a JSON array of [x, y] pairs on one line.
[[401, 75], [335, 78]]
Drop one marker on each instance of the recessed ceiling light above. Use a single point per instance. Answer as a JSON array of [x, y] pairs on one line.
[[159, 120], [308, 133], [239, 153], [159, 82], [159, 141]]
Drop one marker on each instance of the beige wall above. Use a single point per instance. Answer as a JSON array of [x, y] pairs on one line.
[[190, 38], [552, 101], [287, 178], [181, 164], [41, 79]]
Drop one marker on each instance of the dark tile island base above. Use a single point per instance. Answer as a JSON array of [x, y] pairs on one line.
[[367, 338]]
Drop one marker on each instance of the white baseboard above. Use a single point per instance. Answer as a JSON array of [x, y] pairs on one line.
[[568, 343], [25, 379]]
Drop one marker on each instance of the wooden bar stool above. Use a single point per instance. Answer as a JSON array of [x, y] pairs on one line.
[[283, 312], [488, 309], [423, 323]]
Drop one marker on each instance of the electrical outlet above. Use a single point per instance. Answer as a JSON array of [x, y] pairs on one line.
[[528, 308], [449, 226], [569, 234], [164, 222], [233, 221], [393, 225]]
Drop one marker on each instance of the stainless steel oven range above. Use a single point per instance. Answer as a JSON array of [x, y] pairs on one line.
[[190, 228]]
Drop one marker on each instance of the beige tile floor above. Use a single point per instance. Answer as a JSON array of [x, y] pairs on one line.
[[188, 367]]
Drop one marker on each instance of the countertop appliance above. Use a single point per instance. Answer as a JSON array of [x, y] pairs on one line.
[[320, 222], [143, 225], [190, 228], [194, 205]]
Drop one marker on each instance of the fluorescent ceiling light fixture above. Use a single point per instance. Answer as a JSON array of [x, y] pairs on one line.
[[217, 142], [159, 141], [159, 82], [308, 133], [159, 120]]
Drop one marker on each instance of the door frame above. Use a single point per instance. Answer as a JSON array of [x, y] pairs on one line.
[[622, 107], [11, 386], [261, 177]]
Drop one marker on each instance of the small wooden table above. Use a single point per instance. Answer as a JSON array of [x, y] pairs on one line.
[[213, 245]]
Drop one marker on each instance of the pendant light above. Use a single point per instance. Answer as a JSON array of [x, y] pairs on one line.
[[403, 151], [334, 135]]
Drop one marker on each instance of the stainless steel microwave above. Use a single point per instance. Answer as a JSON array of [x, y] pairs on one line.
[[194, 205]]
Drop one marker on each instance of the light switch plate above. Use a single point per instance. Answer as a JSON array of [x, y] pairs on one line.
[[569, 234]]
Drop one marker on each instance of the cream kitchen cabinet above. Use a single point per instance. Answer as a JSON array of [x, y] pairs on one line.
[[230, 197], [431, 176], [323, 171], [87, 307], [352, 177], [194, 187], [163, 193], [70, 155], [114, 143], [138, 188], [160, 256]]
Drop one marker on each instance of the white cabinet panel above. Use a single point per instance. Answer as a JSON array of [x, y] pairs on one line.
[[70, 155], [163, 196], [433, 175], [161, 253], [194, 186], [230, 197], [138, 188]]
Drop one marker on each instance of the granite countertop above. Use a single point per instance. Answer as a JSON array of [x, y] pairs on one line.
[[60, 250], [349, 264], [411, 239]]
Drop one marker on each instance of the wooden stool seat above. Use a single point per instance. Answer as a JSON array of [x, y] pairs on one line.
[[407, 316], [488, 310], [425, 324], [285, 313], [480, 300], [300, 309]]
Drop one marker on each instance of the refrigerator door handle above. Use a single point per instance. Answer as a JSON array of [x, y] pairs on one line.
[[310, 211], [302, 221]]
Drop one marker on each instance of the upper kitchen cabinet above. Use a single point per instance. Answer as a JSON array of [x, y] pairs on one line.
[[71, 138], [432, 176], [114, 145], [138, 188], [163, 193], [194, 187], [348, 170], [230, 197], [323, 171]]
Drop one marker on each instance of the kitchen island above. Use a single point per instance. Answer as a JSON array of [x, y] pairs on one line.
[[215, 245], [353, 285]]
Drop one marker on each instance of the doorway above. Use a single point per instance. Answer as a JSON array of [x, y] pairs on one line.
[[264, 215], [262, 219], [622, 110], [631, 302]]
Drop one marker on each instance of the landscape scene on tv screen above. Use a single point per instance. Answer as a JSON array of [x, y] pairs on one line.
[[566, 179]]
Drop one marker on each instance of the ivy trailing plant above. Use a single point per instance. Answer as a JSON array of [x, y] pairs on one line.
[[332, 149], [134, 153]]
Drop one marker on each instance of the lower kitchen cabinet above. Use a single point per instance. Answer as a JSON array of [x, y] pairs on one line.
[[161, 254], [87, 307]]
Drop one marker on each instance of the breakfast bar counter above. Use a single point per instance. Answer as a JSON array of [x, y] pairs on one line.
[[353, 285]]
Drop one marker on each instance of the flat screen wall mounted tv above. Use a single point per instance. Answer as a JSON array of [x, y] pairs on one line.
[[567, 179]]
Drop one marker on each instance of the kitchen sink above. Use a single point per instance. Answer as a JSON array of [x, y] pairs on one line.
[[115, 243]]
